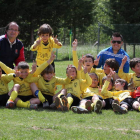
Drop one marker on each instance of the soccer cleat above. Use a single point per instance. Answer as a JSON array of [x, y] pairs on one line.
[[53, 106], [65, 104], [98, 106], [115, 101], [46, 105], [118, 108], [33, 106], [88, 105], [79, 110], [58, 104], [10, 104]]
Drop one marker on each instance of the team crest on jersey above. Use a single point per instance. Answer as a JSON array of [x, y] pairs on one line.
[[53, 85], [75, 84], [2, 83]]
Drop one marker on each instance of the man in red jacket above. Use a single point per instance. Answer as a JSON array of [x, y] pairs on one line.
[[11, 49]]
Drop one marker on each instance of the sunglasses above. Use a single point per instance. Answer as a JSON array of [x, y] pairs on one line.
[[114, 41]]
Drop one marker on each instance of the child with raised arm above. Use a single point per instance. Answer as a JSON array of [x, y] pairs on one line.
[[45, 44], [135, 66], [86, 105], [89, 62], [21, 93], [46, 82], [122, 94], [75, 88]]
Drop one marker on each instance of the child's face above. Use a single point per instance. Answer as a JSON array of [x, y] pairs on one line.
[[23, 73], [94, 81], [72, 73], [136, 69], [0, 72], [48, 76], [106, 69], [110, 85], [118, 86], [88, 62], [44, 37]]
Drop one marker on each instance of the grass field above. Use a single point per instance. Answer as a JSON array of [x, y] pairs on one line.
[[47, 124]]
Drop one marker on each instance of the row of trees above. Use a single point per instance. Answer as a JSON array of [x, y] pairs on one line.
[[80, 16]]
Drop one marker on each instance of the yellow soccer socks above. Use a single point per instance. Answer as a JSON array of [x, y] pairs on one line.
[[70, 101], [39, 95], [20, 103], [13, 95]]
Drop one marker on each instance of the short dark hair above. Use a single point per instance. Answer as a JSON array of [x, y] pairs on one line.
[[89, 56], [112, 63], [23, 65], [72, 66], [123, 81], [105, 77], [45, 29], [133, 62], [8, 25], [116, 34], [48, 69], [94, 75]]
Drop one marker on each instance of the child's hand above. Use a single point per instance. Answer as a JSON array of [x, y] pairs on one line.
[[52, 56], [34, 65], [85, 70], [38, 41], [99, 88], [74, 44], [109, 76], [17, 73], [96, 61], [56, 41], [124, 60]]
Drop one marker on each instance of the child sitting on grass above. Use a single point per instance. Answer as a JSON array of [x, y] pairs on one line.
[[135, 66], [123, 101], [46, 82], [89, 62], [21, 93], [75, 88], [86, 105]]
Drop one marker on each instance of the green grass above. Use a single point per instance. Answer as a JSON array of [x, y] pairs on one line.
[[47, 124]]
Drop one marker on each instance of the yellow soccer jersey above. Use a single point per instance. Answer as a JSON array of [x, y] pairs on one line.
[[24, 84], [77, 86], [48, 87], [90, 92], [128, 76], [120, 95], [44, 52], [100, 73], [4, 80]]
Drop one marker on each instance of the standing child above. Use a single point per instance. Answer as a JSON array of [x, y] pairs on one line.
[[45, 44]]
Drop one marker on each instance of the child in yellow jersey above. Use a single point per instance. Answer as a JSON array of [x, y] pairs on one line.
[[122, 95], [135, 66], [87, 98], [21, 93], [75, 88], [45, 44], [4, 80], [89, 63], [46, 82]]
